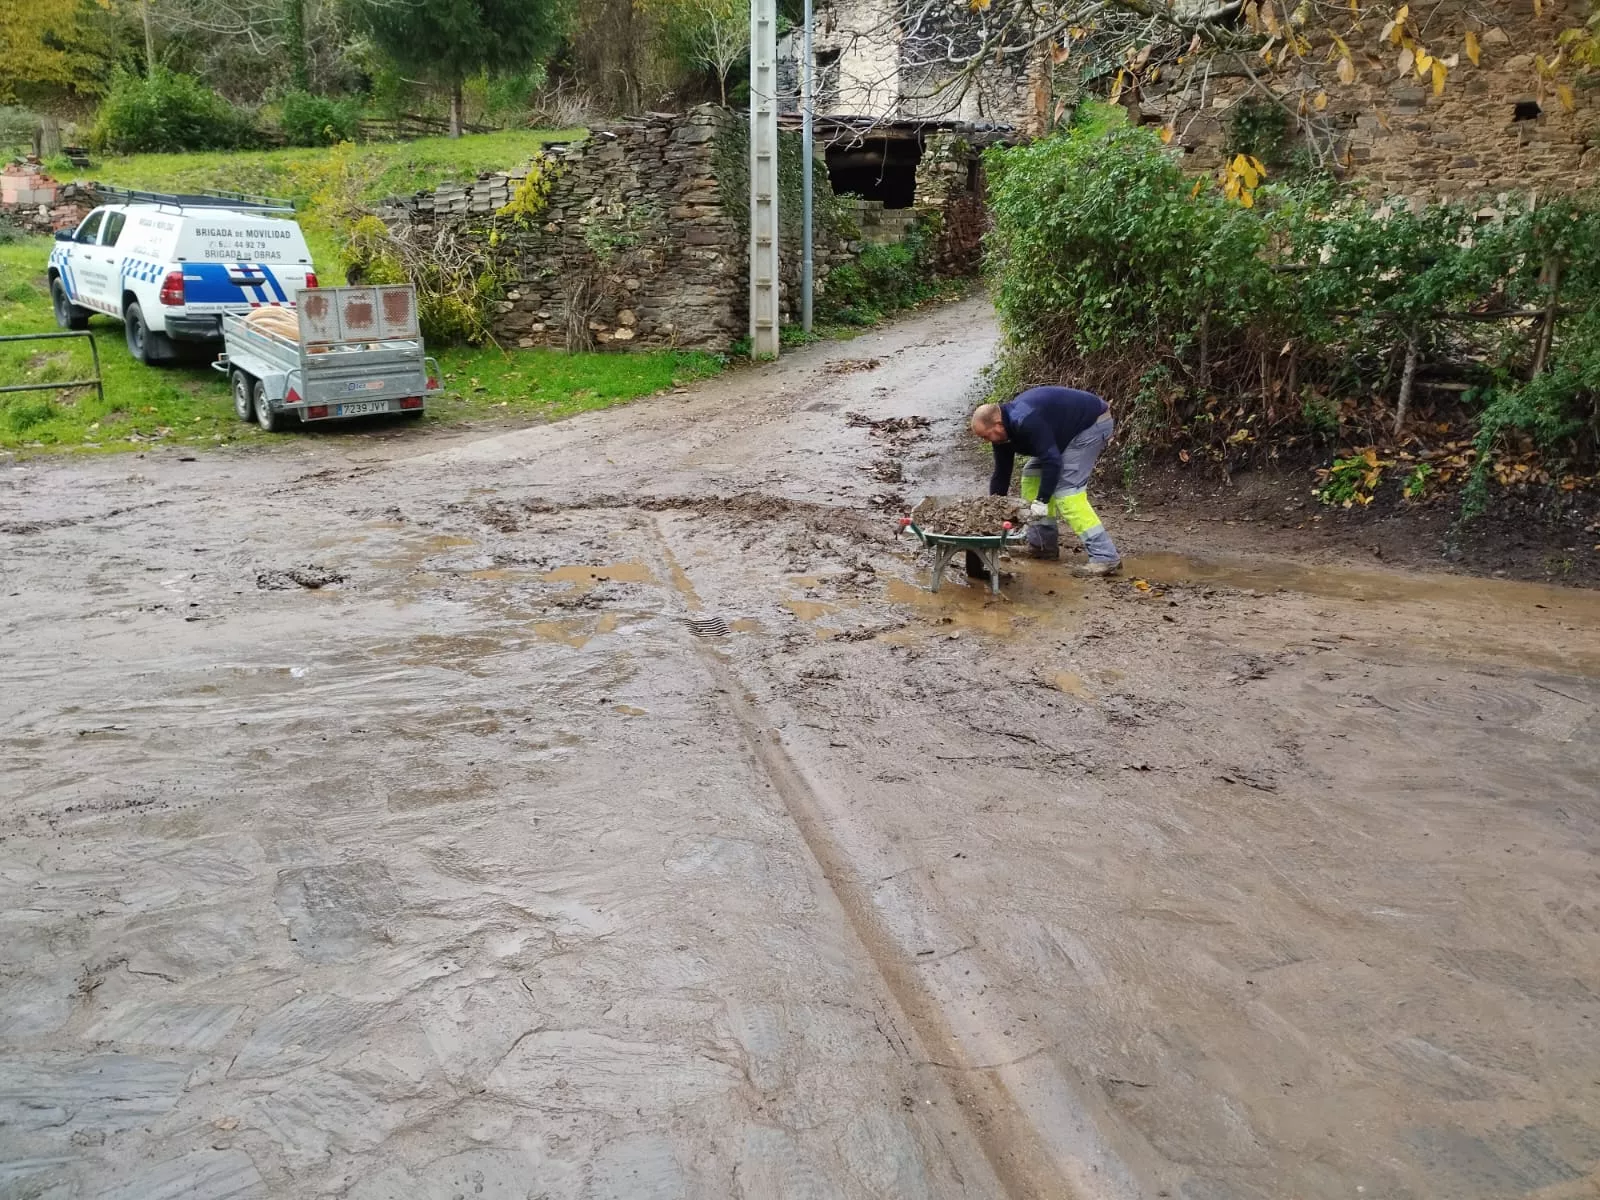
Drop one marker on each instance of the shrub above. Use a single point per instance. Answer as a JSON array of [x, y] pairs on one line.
[[1262, 129], [308, 120], [1099, 239], [167, 113], [455, 289], [881, 280], [1298, 317]]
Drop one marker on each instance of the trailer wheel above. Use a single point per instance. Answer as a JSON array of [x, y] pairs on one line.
[[269, 421], [243, 398]]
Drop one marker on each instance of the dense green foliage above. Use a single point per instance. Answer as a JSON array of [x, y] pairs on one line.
[[308, 120], [882, 279], [1262, 129], [166, 111], [1236, 331]]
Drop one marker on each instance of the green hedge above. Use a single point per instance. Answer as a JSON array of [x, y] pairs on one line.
[[1216, 324], [168, 113]]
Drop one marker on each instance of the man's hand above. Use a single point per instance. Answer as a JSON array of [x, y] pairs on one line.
[[1038, 511]]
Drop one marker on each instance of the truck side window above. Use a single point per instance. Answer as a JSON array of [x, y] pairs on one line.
[[114, 223], [90, 228]]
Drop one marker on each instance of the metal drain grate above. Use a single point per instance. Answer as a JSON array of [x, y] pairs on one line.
[[708, 627]]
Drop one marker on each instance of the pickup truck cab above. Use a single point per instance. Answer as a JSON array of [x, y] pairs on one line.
[[168, 266]]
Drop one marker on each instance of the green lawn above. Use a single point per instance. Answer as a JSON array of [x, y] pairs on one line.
[[189, 404], [379, 168]]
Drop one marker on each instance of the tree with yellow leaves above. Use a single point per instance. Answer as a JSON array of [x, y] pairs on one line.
[[54, 48]]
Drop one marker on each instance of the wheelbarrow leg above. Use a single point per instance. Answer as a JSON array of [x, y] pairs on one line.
[[941, 560], [992, 558]]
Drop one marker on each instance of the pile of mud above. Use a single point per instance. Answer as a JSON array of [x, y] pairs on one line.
[[981, 516], [889, 426], [309, 577], [745, 509]]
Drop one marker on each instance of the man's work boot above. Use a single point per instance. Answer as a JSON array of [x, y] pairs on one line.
[[975, 567], [1044, 541], [1097, 570]]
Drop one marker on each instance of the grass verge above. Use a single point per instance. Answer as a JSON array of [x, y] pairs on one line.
[[298, 173], [325, 183], [189, 405]]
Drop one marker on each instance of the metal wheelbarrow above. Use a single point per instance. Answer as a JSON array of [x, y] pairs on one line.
[[946, 546]]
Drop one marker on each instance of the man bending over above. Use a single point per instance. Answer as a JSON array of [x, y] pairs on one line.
[[1060, 432]]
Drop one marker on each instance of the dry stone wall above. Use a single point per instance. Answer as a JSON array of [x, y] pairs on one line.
[[633, 243], [950, 201], [638, 243]]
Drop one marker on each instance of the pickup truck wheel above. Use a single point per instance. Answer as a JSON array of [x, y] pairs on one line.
[[243, 397], [269, 421], [68, 314], [150, 348]]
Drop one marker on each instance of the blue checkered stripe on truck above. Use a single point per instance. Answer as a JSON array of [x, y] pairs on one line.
[[142, 269], [62, 262]]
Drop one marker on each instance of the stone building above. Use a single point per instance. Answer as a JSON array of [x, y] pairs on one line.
[[1495, 127], [865, 67]]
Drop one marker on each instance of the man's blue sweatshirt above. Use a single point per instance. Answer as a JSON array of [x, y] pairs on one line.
[[1041, 423]]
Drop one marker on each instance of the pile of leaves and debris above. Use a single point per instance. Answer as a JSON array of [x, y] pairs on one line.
[[983, 516]]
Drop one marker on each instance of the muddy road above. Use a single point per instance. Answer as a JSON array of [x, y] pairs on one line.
[[607, 810]]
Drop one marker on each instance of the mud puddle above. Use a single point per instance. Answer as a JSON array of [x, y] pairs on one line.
[[1514, 619], [1352, 583], [576, 632], [1029, 596], [587, 578]]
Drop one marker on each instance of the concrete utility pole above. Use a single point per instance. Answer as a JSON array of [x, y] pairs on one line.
[[764, 178], [808, 92]]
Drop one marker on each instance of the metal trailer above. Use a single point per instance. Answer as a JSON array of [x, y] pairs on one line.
[[359, 353]]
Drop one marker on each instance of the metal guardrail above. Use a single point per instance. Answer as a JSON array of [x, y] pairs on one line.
[[94, 351]]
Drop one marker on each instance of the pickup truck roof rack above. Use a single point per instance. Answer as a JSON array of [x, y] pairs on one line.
[[205, 198]]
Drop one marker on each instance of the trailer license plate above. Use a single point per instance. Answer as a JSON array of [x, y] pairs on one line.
[[361, 410]]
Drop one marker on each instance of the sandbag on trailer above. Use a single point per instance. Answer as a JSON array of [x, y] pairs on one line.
[[283, 321]]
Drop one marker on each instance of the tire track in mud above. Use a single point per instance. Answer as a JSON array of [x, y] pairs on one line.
[[997, 1089]]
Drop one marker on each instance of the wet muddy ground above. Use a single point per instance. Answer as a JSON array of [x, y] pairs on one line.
[[608, 810]]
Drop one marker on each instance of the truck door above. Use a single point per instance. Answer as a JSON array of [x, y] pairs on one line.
[[110, 258], [84, 271]]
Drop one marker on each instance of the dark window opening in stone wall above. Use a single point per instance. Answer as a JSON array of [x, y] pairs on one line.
[[1526, 110], [880, 168]]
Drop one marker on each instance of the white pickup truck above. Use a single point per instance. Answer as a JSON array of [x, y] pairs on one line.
[[168, 266]]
